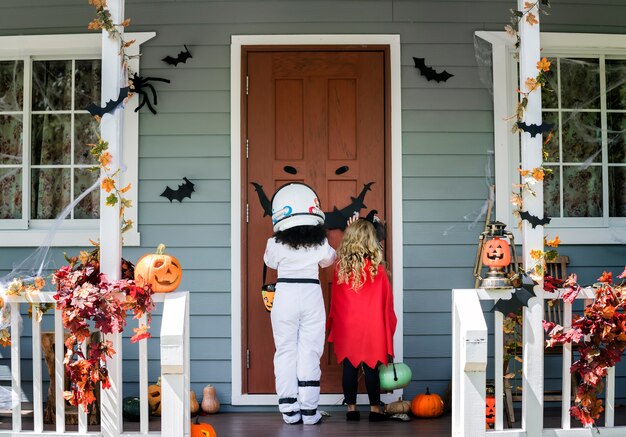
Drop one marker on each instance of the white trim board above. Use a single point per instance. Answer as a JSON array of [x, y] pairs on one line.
[[237, 41]]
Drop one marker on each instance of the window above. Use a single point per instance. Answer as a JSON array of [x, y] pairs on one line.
[[586, 190], [45, 84]]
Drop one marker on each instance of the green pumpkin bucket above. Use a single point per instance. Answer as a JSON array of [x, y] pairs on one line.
[[394, 376]]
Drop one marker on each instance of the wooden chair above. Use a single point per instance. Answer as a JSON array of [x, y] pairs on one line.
[[553, 312]]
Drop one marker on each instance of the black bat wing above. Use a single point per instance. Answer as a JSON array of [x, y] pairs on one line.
[[533, 219], [508, 306], [169, 193], [429, 72], [266, 204], [534, 129], [181, 57], [185, 190], [170, 60], [110, 105], [335, 220]]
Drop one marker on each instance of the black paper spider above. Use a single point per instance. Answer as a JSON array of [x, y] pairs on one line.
[[140, 84]]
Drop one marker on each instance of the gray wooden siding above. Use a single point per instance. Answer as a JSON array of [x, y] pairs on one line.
[[447, 144]]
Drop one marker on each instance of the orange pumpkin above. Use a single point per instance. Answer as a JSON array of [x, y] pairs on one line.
[[163, 272], [427, 405], [202, 429], [490, 411], [497, 253]]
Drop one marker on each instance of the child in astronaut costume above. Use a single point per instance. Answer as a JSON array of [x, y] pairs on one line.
[[297, 250]]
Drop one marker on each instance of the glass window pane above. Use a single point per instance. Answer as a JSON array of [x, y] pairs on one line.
[[580, 83], [11, 85], [549, 94], [87, 83], [10, 193], [617, 191], [582, 137], [616, 84], [552, 193], [51, 139], [616, 137], [50, 192], [52, 85], [89, 207], [86, 130], [10, 139], [582, 191], [552, 148]]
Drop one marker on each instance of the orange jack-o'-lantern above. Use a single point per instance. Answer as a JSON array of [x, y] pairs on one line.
[[490, 411], [163, 272], [497, 253]]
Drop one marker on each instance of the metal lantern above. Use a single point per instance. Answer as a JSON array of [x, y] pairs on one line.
[[496, 250]]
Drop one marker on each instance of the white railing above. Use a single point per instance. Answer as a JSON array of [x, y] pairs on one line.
[[469, 360], [174, 336]]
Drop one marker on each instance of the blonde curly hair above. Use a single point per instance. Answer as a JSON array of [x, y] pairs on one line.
[[359, 244]]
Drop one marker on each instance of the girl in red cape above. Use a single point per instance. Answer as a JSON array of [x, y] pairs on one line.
[[362, 320]]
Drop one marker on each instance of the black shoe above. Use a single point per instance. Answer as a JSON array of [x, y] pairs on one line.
[[353, 416], [378, 417]]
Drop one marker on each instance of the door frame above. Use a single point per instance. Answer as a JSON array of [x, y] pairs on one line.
[[237, 213]]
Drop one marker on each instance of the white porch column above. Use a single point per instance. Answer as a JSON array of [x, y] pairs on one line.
[[110, 236], [532, 239]]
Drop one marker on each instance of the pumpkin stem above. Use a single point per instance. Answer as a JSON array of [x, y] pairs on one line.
[[427, 391], [197, 420], [160, 249]]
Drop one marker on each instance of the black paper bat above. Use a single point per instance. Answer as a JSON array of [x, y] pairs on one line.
[[534, 129], [429, 72], [184, 190], [110, 105], [533, 219], [335, 219], [519, 297], [265, 202], [181, 57]]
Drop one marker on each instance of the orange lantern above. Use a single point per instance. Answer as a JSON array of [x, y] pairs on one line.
[[490, 409], [496, 250]]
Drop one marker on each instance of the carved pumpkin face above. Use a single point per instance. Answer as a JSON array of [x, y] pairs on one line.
[[268, 299], [154, 399], [490, 410], [497, 253], [202, 429], [161, 271]]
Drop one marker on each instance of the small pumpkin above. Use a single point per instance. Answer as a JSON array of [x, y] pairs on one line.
[[490, 411], [131, 407], [194, 406], [154, 398], [497, 253], [427, 405], [210, 404], [398, 407], [163, 272], [202, 429], [394, 376]]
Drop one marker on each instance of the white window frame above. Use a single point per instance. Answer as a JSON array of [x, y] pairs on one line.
[[24, 232], [506, 143]]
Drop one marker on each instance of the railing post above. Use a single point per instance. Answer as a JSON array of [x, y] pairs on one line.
[[469, 364], [532, 238], [111, 128], [175, 416]]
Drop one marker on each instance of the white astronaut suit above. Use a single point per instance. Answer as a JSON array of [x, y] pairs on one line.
[[298, 313]]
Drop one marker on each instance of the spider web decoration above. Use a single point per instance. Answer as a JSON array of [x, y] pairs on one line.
[[140, 85]]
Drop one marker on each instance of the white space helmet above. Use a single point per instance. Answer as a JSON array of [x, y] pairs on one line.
[[295, 204]]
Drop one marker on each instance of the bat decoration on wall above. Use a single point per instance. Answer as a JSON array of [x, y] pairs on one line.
[[181, 57], [140, 84], [533, 219], [534, 129], [111, 105], [184, 190], [429, 72], [519, 297], [335, 219]]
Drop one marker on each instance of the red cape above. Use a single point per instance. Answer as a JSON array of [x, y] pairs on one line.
[[362, 323]]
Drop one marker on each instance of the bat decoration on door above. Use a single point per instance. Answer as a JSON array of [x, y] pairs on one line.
[[181, 57], [111, 105], [335, 219], [184, 190], [519, 297], [140, 84], [429, 72], [533, 219], [534, 129]]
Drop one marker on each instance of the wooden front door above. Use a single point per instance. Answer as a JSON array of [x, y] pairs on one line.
[[315, 115]]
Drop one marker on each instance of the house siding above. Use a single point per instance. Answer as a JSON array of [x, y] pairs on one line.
[[447, 148]]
